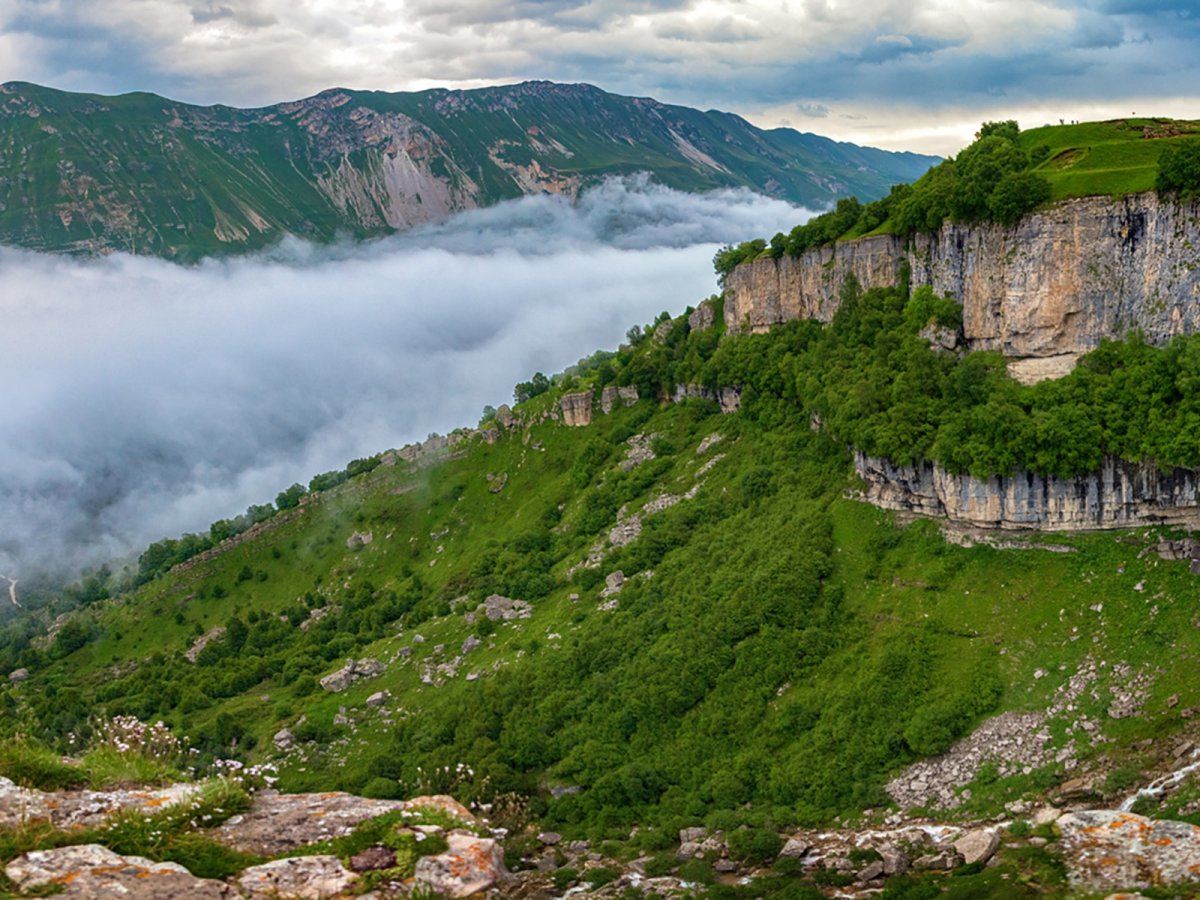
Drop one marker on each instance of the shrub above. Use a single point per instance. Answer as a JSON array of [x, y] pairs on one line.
[[754, 846]]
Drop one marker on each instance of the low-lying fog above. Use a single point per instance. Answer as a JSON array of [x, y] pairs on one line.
[[142, 399]]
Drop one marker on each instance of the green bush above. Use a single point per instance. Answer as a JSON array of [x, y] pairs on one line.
[[754, 846], [1179, 170]]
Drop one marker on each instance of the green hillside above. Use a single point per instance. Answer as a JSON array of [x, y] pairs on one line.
[[777, 651], [146, 174], [1105, 158], [1002, 176]]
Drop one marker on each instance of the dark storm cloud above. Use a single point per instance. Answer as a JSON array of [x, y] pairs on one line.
[[143, 399]]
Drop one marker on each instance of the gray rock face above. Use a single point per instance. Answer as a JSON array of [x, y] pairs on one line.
[[576, 408], [729, 398], [702, 317], [1120, 495], [90, 870], [1050, 287], [612, 396], [279, 823], [1107, 850]]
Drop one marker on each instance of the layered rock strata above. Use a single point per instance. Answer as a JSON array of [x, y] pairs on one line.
[[1119, 495]]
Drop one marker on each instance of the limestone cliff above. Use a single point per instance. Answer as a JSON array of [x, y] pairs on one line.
[[1042, 292], [1120, 495]]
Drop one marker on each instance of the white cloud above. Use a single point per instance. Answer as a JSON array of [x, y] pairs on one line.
[[143, 399]]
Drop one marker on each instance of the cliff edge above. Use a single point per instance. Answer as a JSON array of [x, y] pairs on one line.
[[1042, 292]]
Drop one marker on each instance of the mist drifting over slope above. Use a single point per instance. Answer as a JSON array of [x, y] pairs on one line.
[[143, 399]]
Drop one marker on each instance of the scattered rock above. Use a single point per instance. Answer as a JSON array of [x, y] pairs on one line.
[[300, 877], [18, 675], [338, 681], [1108, 849], [725, 866], [213, 634], [639, 451], [470, 865], [89, 870], [378, 698], [284, 739], [894, 861], [1047, 815], [471, 643], [692, 835], [613, 583], [550, 838], [871, 872], [359, 539]]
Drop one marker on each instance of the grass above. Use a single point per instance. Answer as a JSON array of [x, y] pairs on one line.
[[1111, 158]]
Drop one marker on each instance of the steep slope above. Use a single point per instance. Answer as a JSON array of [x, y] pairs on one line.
[[145, 174]]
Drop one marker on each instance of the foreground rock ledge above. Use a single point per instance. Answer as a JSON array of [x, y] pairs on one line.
[[90, 870], [1108, 850]]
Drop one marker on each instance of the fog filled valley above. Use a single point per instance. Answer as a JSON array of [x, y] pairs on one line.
[[145, 399]]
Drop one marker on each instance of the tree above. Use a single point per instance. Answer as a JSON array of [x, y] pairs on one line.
[[1016, 194], [1179, 170], [291, 497], [527, 390]]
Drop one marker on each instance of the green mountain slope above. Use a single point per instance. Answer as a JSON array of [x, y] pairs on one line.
[[145, 174], [776, 652]]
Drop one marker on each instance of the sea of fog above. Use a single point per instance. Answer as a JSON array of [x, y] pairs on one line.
[[142, 399]]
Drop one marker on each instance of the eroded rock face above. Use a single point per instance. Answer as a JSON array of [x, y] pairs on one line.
[[470, 865], [1120, 495], [612, 396], [576, 408], [1107, 850], [90, 870], [1050, 287]]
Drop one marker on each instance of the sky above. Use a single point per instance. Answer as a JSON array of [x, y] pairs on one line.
[[900, 74], [143, 399]]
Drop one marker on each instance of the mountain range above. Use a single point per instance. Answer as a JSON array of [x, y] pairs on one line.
[[144, 174]]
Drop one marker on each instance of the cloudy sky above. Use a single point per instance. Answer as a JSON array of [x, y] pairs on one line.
[[903, 74]]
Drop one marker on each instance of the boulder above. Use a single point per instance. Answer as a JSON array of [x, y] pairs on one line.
[[549, 838], [499, 608], [89, 870], [977, 846], [16, 676], [352, 671], [471, 643], [894, 861], [794, 848], [1107, 850], [279, 823], [299, 877], [870, 872], [470, 864], [692, 835], [442, 803], [373, 858], [283, 739], [378, 698], [504, 416]]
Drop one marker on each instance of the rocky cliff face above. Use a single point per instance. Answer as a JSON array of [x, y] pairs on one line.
[[1120, 495], [1042, 292]]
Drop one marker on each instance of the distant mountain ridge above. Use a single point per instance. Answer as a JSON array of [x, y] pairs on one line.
[[144, 174]]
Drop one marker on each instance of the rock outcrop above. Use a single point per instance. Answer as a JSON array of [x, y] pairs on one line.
[[351, 672], [1120, 495], [1044, 290], [576, 408]]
